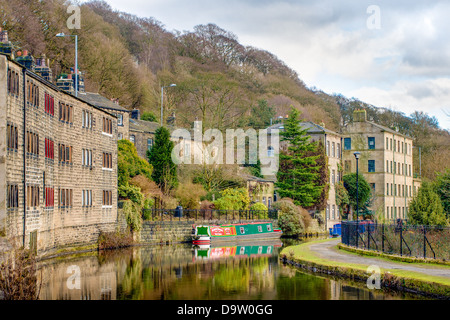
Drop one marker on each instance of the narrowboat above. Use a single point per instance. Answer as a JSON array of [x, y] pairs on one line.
[[204, 234]]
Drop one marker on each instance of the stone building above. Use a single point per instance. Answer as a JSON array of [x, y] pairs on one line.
[[386, 162], [58, 168], [261, 190], [113, 107], [332, 143]]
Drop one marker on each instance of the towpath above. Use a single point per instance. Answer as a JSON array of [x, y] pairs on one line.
[[327, 250]]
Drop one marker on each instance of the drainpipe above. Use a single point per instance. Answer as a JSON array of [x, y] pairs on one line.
[[24, 72]]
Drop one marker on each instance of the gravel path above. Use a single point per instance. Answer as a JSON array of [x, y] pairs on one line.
[[326, 250]]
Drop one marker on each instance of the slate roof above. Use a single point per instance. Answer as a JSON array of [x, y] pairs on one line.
[[100, 101]]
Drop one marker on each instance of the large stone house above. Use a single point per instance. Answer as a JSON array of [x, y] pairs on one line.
[[58, 163], [332, 142], [386, 162]]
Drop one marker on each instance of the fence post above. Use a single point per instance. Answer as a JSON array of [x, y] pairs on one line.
[[368, 236], [382, 238], [401, 241], [424, 243]]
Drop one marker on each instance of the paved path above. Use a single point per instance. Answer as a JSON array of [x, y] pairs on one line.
[[326, 250]]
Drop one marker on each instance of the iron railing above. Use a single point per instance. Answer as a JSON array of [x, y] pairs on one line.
[[399, 239], [207, 214]]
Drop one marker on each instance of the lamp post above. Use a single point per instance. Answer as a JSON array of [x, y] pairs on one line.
[[162, 100], [357, 156], [61, 35]]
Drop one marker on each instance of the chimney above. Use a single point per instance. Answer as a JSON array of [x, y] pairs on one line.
[[136, 114], [360, 116]]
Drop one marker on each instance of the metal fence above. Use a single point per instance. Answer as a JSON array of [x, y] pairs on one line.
[[400, 238], [208, 214]]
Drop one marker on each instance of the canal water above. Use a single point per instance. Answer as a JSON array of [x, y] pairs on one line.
[[184, 272]]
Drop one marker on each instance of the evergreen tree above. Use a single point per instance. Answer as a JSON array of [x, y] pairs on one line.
[[299, 174], [261, 115], [442, 187], [160, 157], [364, 192], [426, 208]]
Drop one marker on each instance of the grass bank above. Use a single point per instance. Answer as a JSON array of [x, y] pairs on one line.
[[303, 257]]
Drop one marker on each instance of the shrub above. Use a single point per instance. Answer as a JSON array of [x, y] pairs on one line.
[[261, 209], [132, 213], [114, 240], [189, 195], [132, 193], [290, 219], [233, 199], [18, 280]]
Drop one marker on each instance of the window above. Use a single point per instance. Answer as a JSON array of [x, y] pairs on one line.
[[347, 143], [32, 196], [133, 138], [12, 196], [242, 230], [65, 154], [372, 185], [107, 125], [13, 83], [395, 145], [371, 142], [403, 190], [65, 198], [387, 165], [107, 160], [347, 166], [86, 198], [107, 198], [333, 149], [259, 228], [271, 152], [328, 212], [119, 136], [49, 197], [149, 144], [333, 178], [120, 119], [387, 143], [268, 227], [264, 200], [328, 148], [333, 212], [387, 189], [32, 143], [49, 149], [338, 148], [403, 150], [390, 142], [371, 166], [86, 157], [65, 113], [49, 104], [410, 170], [269, 202], [86, 119], [32, 94], [12, 137]]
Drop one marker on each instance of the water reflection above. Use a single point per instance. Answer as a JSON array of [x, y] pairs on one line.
[[184, 272]]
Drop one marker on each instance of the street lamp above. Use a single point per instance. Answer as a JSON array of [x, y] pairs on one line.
[[357, 156], [162, 100], [61, 35]]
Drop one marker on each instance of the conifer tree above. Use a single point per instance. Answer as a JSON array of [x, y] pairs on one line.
[[160, 157], [298, 176], [426, 208]]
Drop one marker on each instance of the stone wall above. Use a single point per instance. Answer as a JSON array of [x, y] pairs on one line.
[[155, 232]]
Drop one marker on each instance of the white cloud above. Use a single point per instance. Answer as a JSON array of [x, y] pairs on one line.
[[405, 63]]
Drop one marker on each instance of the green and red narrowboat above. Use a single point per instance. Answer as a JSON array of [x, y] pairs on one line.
[[204, 234]]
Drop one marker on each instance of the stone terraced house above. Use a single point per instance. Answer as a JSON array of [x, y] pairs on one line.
[[58, 163]]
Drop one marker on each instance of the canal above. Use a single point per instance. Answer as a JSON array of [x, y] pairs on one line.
[[182, 272]]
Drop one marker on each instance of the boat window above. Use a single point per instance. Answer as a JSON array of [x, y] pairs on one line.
[[259, 229], [268, 227], [260, 250], [242, 251], [242, 230], [269, 249]]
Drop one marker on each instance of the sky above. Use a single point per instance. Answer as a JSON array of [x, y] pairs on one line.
[[392, 54]]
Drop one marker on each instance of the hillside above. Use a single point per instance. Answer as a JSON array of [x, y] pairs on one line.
[[219, 81]]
